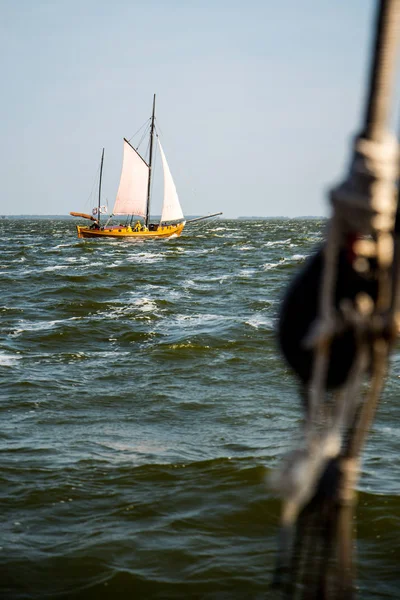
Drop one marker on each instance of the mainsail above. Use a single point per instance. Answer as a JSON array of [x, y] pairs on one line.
[[132, 191], [171, 209]]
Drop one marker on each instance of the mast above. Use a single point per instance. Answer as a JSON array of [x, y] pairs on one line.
[[146, 222], [100, 178]]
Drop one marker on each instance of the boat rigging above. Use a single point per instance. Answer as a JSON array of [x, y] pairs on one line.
[[133, 198], [339, 346]]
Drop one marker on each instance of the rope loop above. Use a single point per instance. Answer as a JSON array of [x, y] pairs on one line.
[[366, 201]]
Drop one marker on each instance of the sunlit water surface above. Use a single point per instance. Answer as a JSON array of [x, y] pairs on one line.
[[143, 404]]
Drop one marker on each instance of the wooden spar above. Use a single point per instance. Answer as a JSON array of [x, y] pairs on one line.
[[101, 174], [83, 215], [134, 149], [146, 222], [206, 217], [381, 80]]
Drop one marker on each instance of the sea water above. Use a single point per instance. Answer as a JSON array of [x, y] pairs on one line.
[[143, 405]]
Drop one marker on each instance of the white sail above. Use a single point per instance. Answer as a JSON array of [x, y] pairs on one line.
[[132, 191], [171, 209]]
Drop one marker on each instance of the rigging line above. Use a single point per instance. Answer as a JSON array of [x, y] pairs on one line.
[[203, 224], [146, 123], [147, 152], [155, 154], [159, 130], [144, 136], [93, 185]]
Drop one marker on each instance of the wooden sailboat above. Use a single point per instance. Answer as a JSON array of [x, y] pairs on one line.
[[133, 200]]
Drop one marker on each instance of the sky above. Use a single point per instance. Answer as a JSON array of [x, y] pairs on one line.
[[257, 100]]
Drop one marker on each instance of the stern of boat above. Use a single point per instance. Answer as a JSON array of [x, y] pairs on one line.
[[181, 227]]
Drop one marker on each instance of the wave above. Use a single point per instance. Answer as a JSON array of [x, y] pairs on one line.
[[56, 267], [144, 402], [40, 325], [8, 360], [258, 321], [299, 257], [146, 257], [269, 266], [278, 243]]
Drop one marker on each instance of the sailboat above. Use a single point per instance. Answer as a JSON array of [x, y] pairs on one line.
[[133, 199]]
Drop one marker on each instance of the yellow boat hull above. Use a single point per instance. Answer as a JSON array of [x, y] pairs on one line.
[[164, 231]]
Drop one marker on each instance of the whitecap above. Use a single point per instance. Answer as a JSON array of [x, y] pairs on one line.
[[117, 263], [56, 267], [268, 266], [201, 319], [260, 321], [8, 360], [225, 229], [146, 257], [188, 282], [40, 325], [299, 256], [139, 305], [145, 305], [278, 242], [203, 251], [246, 272], [93, 264]]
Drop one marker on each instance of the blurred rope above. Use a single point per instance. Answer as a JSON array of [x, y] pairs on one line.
[[317, 481]]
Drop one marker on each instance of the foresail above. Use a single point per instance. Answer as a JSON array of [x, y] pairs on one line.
[[171, 209], [132, 191]]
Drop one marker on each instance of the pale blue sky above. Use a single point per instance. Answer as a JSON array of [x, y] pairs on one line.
[[257, 101]]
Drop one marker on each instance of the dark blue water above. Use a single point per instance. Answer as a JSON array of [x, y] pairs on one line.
[[143, 404]]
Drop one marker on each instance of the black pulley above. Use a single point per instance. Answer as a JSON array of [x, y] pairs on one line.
[[299, 313]]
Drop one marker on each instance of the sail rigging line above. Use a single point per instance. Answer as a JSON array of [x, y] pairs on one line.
[[147, 217], [320, 478], [157, 128], [201, 223], [95, 181], [131, 195], [155, 155], [145, 124], [171, 207], [159, 134], [100, 181], [205, 217], [144, 136], [152, 179]]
